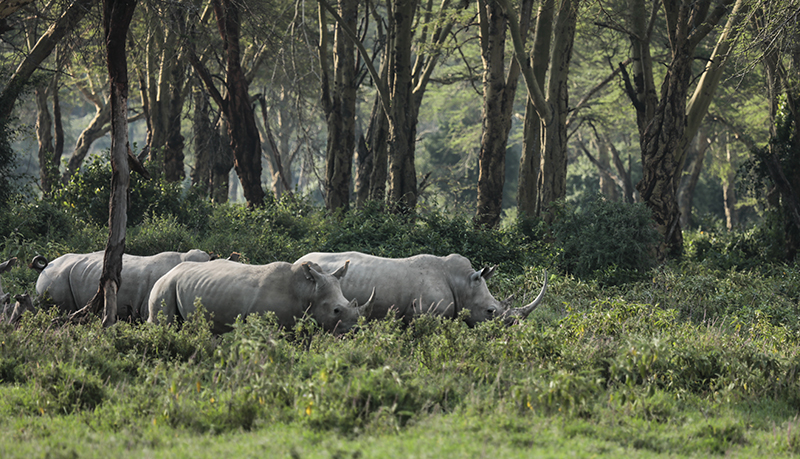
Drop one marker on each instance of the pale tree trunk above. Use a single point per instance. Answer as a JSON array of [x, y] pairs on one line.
[[339, 102], [696, 152], [499, 90], [97, 128], [530, 161], [276, 155], [117, 15], [371, 162], [608, 186], [729, 189]]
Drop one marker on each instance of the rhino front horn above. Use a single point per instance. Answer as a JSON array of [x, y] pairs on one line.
[[513, 315]]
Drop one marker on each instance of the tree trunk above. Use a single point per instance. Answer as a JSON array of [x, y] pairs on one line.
[[242, 129], [729, 190], [530, 161], [498, 104], [697, 152], [554, 156], [662, 125], [339, 104], [98, 127], [402, 120], [117, 15], [44, 134]]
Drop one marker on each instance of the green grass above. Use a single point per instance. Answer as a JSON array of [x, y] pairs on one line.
[[689, 359]]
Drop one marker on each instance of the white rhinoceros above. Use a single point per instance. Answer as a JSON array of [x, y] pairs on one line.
[[422, 284], [229, 289]]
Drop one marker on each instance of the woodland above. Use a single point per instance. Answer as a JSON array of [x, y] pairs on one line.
[[640, 156]]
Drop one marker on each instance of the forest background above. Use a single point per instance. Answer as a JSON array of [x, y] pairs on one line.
[[658, 193]]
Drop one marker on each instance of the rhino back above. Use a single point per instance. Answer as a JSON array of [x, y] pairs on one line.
[[229, 289]]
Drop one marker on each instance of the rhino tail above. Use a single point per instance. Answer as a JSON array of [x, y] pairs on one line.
[[38, 263]]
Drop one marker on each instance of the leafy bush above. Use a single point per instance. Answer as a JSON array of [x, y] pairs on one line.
[[610, 241], [87, 194]]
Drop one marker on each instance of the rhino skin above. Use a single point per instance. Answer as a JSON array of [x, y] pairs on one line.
[[229, 289], [70, 281], [12, 315], [423, 284]]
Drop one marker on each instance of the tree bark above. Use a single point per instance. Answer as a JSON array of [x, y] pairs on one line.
[[554, 156], [697, 152], [530, 161], [498, 103], [339, 104], [662, 125], [117, 15], [402, 114], [241, 124], [44, 135]]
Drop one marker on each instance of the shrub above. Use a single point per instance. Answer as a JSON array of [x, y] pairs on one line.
[[87, 194], [610, 241]]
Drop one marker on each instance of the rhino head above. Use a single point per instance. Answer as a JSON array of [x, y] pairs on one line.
[[328, 306], [483, 306]]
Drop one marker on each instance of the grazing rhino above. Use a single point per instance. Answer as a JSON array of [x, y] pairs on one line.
[[5, 266], [228, 289], [423, 284], [70, 281], [12, 315]]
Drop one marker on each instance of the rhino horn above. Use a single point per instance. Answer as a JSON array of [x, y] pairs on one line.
[[38, 263], [366, 309], [512, 315]]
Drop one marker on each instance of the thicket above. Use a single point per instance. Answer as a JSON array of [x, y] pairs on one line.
[[622, 351]]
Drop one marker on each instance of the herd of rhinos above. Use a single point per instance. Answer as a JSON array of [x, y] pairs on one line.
[[328, 287]]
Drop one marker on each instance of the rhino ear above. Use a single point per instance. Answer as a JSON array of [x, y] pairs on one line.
[[310, 270], [339, 273], [485, 273]]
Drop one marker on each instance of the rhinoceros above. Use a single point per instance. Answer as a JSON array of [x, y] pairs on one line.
[[229, 289], [70, 281], [5, 266], [11, 315], [423, 284]]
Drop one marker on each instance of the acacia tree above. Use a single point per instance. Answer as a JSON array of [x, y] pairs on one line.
[[499, 90], [117, 16], [339, 102], [662, 118], [410, 55], [236, 102], [543, 164]]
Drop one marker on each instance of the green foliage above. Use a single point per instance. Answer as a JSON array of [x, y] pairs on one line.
[[608, 240], [88, 192]]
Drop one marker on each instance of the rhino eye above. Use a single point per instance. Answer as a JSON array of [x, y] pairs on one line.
[[336, 311]]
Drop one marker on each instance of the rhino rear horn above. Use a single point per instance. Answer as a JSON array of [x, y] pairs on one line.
[[515, 314], [366, 309]]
